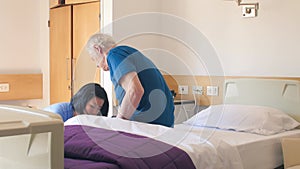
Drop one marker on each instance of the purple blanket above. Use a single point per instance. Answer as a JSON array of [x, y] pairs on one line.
[[90, 148]]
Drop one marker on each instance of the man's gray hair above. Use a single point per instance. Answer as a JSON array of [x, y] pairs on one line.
[[101, 40]]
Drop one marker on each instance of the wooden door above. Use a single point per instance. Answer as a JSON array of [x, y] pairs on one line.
[[85, 23], [60, 54]]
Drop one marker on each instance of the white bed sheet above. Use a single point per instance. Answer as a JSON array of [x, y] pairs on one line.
[[208, 148], [252, 150]]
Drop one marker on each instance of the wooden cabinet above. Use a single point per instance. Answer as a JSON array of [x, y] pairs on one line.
[[56, 3], [70, 66]]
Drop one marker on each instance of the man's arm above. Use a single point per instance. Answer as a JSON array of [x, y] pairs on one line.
[[133, 95]]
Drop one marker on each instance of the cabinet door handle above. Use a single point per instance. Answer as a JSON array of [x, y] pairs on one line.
[[67, 68], [73, 68]]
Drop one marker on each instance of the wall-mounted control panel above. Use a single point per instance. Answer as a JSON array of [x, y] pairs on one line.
[[4, 87], [197, 90], [212, 90], [183, 89]]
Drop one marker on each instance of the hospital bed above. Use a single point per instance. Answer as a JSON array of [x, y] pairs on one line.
[[243, 133]]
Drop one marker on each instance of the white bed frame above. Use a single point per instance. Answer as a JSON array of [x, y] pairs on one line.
[[30, 139], [281, 94]]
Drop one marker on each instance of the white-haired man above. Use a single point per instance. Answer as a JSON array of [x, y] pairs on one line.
[[140, 88]]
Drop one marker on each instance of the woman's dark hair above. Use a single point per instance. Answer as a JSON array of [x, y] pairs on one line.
[[85, 94]]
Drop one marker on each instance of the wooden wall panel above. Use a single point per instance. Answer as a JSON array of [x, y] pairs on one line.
[[22, 86], [174, 80]]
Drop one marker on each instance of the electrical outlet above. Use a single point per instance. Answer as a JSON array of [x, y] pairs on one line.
[[183, 89], [212, 90], [4, 87], [198, 90]]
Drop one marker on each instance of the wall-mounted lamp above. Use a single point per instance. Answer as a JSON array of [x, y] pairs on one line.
[[248, 9]]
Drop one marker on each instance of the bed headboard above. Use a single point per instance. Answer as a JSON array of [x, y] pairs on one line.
[[280, 94]]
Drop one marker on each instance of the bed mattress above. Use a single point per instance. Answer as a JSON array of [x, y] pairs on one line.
[[207, 147], [249, 150], [260, 151]]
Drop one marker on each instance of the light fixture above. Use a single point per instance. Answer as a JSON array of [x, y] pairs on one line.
[[248, 9]]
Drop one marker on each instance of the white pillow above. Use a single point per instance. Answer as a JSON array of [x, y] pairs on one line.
[[247, 118]]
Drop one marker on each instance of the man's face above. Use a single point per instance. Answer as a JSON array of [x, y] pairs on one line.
[[101, 62]]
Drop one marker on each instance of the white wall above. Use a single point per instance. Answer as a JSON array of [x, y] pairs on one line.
[[267, 45], [212, 38], [127, 28], [24, 44]]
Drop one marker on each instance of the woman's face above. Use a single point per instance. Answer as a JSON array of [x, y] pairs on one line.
[[93, 106]]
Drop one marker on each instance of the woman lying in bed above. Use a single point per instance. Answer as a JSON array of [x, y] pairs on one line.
[[90, 99]]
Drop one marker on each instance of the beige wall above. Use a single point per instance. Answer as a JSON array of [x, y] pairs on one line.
[[266, 45], [130, 31], [206, 38], [24, 42], [263, 46]]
